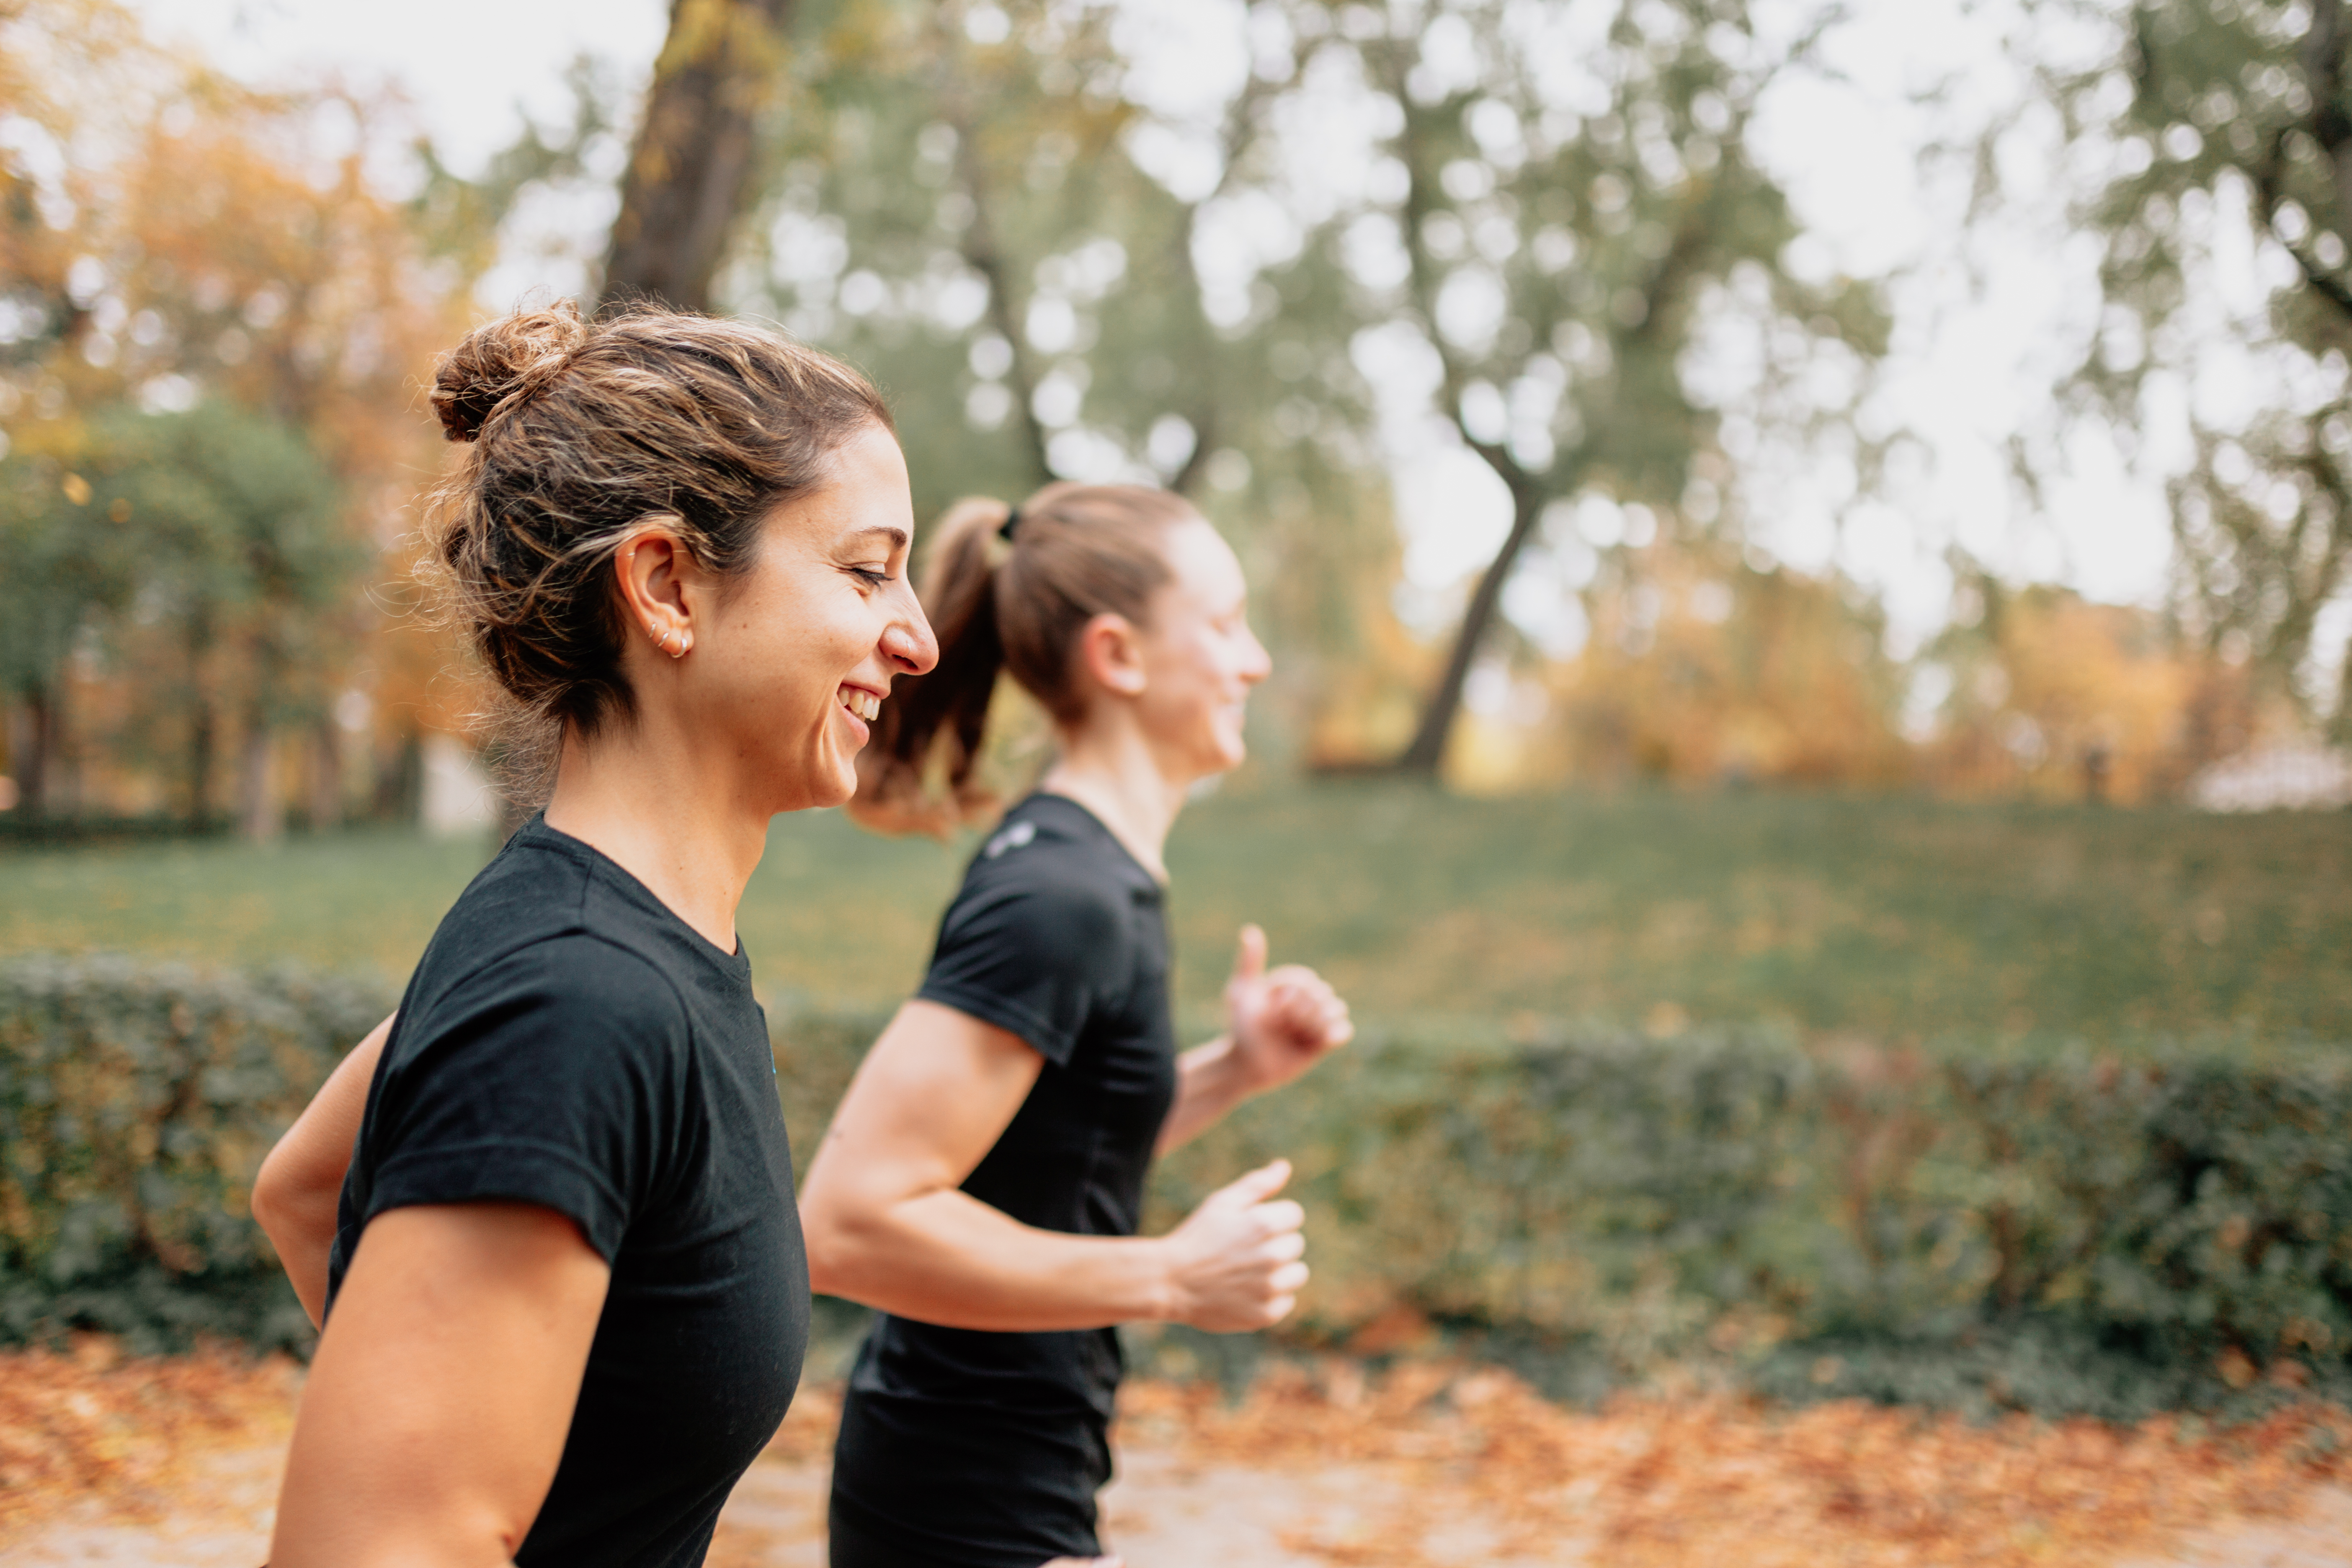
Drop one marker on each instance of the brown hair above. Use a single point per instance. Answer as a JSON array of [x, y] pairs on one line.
[[1016, 605], [581, 432]]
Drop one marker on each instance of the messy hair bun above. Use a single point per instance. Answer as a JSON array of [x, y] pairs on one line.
[[513, 357], [578, 433]]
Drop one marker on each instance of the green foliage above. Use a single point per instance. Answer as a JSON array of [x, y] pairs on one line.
[[136, 1102], [2068, 1234], [985, 228], [205, 549], [67, 558], [1525, 223], [2196, 118], [239, 535]]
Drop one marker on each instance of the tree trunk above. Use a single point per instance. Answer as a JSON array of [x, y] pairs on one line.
[[986, 256], [1426, 754], [32, 750], [259, 819], [400, 782], [692, 163], [203, 725], [326, 774], [204, 740]]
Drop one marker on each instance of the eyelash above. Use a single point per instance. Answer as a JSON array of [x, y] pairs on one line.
[[872, 579]]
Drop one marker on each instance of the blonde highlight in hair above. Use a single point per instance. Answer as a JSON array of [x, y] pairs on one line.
[[1013, 606], [579, 433]]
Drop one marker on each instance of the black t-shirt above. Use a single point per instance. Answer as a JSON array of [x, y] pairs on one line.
[[967, 1448], [567, 1041]]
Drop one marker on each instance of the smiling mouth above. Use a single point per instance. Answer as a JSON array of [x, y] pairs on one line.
[[860, 702]]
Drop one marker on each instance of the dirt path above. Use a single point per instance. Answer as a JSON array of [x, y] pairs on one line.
[[1167, 1511], [1437, 1468]]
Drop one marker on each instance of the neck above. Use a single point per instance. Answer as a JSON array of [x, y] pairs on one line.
[[668, 816], [1111, 771]]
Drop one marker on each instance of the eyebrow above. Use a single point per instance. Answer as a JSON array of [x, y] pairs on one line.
[[898, 537]]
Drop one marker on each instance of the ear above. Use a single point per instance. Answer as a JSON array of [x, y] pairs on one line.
[[1112, 654], [658, 579]]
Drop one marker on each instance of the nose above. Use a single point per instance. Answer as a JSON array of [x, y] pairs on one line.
[[1257, 663], [906, 642]]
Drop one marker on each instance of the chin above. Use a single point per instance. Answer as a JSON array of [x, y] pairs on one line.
[[1223, 759], [833, 786]]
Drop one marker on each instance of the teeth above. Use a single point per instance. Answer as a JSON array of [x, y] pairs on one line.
[[865, 704]]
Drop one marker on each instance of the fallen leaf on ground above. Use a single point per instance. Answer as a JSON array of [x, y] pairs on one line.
[[91, 1424], [1652, 1482]]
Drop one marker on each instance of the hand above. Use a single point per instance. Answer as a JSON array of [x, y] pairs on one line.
[[1282, 1022], [1235, 1260]]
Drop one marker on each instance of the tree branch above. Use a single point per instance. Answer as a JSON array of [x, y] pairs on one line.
[[982, 251], [2268, 180]]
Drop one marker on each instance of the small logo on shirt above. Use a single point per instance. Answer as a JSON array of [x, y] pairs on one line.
[[1013, 837]]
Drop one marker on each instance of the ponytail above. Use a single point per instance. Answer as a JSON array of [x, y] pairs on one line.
[[946, 711], [1007, 600]]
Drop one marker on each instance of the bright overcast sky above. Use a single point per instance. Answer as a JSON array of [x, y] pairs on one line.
[[1970, 368]]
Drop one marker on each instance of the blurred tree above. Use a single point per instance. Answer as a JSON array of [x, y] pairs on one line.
[[970, 208], [238, 527], [1575, 213], [1704, 669], [196, 255], [1491, 214], [2202, 121], [63, 558], [691, 171], [219, 524], [2072, 700], [463, 220]]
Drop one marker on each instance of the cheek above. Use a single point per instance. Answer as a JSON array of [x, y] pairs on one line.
[[789, 667]]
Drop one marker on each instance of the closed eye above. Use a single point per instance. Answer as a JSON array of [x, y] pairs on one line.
[[868, 577]]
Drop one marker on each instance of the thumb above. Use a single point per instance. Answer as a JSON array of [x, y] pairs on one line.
[[1259, 1184], [1249, 957]]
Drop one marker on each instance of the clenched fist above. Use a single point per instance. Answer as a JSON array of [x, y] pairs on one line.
[[1282, 1022]]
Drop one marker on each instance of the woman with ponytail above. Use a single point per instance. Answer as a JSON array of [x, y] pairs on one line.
[[982, 1182]]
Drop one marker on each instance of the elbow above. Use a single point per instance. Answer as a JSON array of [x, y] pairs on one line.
[[828, 1255], [270, 1200], [840, 1241], [288, 1198], [824, 1279]]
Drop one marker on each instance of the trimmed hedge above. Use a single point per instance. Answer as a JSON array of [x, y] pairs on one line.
[[2077, 1234], [2072, 1234], [136, 1100]]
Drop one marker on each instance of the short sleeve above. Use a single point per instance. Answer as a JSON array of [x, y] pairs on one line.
[[553, 1077], [1036, 961]]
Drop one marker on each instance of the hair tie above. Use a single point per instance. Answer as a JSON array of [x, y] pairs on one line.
[[1012, 520]]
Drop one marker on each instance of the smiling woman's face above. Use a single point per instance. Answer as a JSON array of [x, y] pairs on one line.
[[803, 646], [1200, 656]]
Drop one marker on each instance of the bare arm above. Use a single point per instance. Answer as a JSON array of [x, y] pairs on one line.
[[436, 1409], [885, 1224], [296, 1192]]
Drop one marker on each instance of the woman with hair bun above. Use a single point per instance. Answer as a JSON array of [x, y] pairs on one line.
[[566, 1299], [982, 1181]]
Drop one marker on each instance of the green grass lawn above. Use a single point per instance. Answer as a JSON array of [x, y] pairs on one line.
[[1893, 919]]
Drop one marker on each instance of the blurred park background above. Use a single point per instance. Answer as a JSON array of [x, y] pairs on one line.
[[1808, 550]]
